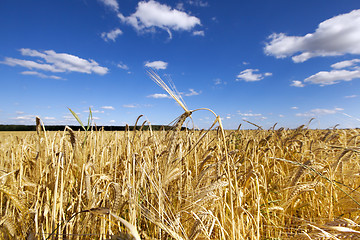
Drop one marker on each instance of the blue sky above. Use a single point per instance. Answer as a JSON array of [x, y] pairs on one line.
[[262, 61]]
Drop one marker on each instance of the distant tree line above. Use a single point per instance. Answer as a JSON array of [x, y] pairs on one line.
[[77, 128]]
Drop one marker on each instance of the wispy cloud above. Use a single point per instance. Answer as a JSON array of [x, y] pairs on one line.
[[41, 75], [318, 112], [152, 14], [111, 4], [357, 119], [130, 105], [198, 3], [157, 65], [334, 37], [294, 108], [122, 66], [249, 114], [192, 93], [108, 107], [297, 83], [251, 75], [25, 117], [199, 33], [351, 96], [159, 95], [93, 111], [112, 35], [56, 62]]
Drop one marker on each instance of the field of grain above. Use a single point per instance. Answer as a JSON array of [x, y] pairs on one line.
[[245, 184]]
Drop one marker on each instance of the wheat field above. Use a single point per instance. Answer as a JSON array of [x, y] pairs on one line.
[[243, 184], [173, 184]]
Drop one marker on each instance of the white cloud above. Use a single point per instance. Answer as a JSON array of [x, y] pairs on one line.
[[56, 62], [49, 118], [198, 3], [345, 64], [123, 66], [41, 75], [112, 121], [112, 35], [25, 117], [250, 114], [19, 112], [192, 93], [294, 108], [158, 95], [29, 64], [249, 75], [151, 14], [180, 6], [112, 4], [297, 83], [319, 111], [94, 111], [108, 107], [130, 106], [157, 65], [351, 96], [198, 33], [217, 81], [336, 36], [280, 115], [334, 76]]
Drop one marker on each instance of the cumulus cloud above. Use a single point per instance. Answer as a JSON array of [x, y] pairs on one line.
[[41, 75], [156, 65], [332, 77], [297, 83], [112, 4], [319, 111], [151, 14], [112, 35], [159, 95], [250, 75], [334, 37], [338, 74], [198, 33], [108, 107], [56, 62]]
